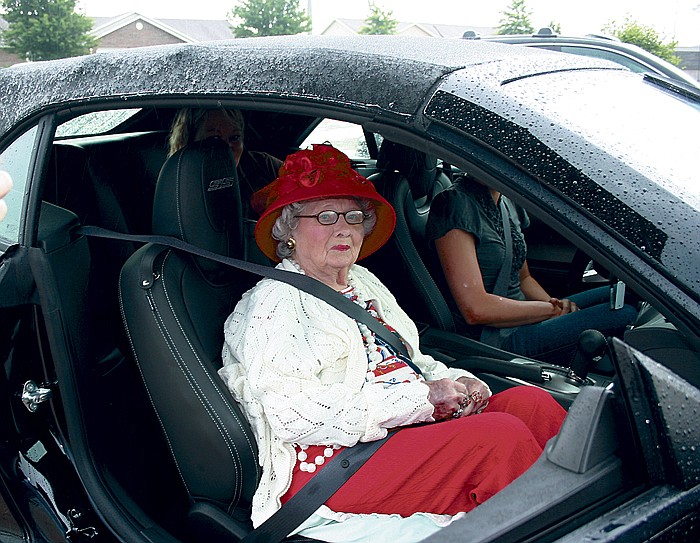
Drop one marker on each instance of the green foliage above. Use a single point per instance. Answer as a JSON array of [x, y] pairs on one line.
[[516, 19], [46, 29], [556, 27], [269, 18], [645, 37], [379, 21]]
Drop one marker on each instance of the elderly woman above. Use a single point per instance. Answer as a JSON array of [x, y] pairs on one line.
[[312, 380], [255, 169]]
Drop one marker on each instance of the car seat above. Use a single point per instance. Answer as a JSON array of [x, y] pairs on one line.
[[174, 306], [409, 180]]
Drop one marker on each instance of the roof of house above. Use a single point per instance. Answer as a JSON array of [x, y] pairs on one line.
[[429, 29], [187, 30]]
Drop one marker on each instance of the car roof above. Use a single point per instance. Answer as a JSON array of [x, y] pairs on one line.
[[545, 37], [387, 74], [541, 37]]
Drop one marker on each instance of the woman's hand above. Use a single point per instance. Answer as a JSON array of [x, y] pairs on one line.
[[478, 394], [460, 264], [446, 396], [5, 186], [563, 306], [460, 398]]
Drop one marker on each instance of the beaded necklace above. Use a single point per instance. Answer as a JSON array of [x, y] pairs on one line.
[[374, 357], [369, 340]]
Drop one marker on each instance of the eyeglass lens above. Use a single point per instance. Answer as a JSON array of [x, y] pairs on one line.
[[328, 217]]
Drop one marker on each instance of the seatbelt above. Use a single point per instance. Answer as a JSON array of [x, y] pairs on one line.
[[314, 493], [302, 282], [490, 334]]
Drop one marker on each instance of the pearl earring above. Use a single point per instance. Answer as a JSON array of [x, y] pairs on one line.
[[291, 244]]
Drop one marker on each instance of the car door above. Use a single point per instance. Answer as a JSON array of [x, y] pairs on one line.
[[43, 496], [15, 323], [14, 160]]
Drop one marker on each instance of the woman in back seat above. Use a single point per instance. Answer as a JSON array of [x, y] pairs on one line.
[[255, 169]]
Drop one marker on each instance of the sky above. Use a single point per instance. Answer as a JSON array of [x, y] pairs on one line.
[[672, 19]]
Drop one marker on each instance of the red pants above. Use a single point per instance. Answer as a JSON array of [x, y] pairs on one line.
[[450, 466]]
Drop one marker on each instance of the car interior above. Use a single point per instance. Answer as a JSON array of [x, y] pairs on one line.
[[150, 424]]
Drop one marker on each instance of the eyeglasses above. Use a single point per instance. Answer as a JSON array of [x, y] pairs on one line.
[[328, 217]]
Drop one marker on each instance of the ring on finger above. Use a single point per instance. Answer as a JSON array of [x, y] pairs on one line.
[[484, 406], [458, 413], [476, 396]]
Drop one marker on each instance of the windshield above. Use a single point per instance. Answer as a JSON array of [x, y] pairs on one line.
[[622, 148], [652, 131]]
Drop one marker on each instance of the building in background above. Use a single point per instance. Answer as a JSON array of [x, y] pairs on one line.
[[136, 30], [350, 27], [690, 60], [6, 58]]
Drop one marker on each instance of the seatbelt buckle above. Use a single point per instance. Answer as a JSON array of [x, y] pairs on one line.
[[617, 295]]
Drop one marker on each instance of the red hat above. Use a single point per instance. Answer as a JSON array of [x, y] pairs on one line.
[[318, 173]]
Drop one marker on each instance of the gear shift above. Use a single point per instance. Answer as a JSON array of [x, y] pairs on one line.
[[591, 346]]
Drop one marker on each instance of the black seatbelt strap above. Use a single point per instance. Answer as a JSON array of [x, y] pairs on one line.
[[298, 280], [314, 493], [490, 335]]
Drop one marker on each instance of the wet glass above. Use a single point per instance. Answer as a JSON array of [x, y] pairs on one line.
[[328, 217], [16, 160]]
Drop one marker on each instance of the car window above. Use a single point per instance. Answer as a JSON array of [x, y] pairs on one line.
[[16, 160], [97, 122], [347, 137], [625, 61]]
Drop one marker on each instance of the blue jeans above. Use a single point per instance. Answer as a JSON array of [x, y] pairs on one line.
[[555, 340]]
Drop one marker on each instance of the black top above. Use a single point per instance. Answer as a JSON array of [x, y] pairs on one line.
[[469, 206]]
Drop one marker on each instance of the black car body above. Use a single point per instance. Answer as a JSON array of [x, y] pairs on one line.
[[597, 46], [84, 453]]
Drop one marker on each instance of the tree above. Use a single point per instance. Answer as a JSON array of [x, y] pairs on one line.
[[556, 27], [379, 21], [645, 37], [516, 19], [46, 29], [269, 18]]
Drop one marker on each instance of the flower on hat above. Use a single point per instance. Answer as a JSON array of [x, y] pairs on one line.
[[301, 166]]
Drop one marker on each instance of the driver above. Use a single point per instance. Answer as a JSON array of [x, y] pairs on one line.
[[468, 232]]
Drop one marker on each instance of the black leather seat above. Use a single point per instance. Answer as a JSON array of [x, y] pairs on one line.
[[174, 306], [409, 180], [72, 184]]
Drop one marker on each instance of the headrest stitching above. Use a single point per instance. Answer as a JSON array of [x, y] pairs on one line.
[[177, 197]]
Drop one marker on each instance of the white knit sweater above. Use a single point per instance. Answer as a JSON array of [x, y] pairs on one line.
[[297, 366]]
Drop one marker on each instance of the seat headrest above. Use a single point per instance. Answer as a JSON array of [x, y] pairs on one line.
[[197, 199], [417, 167]]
